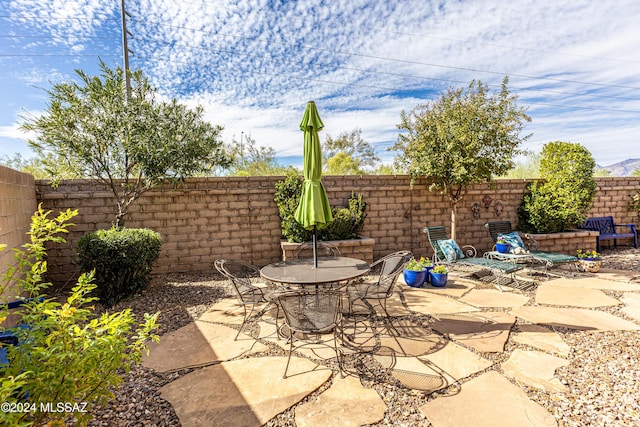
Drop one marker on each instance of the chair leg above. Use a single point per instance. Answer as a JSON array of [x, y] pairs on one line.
[[266, 308], [339, 355], [388, 316], [244, 321], [288, 358]]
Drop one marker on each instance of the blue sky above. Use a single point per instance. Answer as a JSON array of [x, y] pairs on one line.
[[253, 64]]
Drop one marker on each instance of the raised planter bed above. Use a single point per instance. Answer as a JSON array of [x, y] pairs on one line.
[[567, 242], [361, 248]]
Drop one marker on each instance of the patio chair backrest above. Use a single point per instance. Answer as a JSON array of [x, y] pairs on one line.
[[324, 249], [389, 268], [311, 312], [242, 277], [498, 227], [435, 233]]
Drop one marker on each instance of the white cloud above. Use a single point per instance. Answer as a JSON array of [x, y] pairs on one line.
[[11, 132], [254, 64]]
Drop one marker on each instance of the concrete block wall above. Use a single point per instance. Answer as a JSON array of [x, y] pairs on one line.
[[613, 198], [202, 220], [236, 217], [17, 205]]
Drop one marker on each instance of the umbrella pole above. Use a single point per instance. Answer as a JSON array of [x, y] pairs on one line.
[[315, 247]]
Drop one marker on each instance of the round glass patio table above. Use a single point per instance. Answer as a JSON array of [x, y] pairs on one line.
[[302, 272]]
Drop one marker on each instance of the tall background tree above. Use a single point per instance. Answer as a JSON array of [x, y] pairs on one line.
[[249, 159], [34, 165], [348, 154], [527, 167], [92, 129], [464, 137]]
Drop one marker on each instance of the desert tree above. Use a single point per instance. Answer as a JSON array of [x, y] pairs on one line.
[[464, 137], [348, 154], [131, 141]]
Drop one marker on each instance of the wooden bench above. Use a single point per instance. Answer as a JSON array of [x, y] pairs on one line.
[[609, 230]]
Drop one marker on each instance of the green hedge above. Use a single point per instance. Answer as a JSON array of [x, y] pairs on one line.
[[122, 259], [347, 221]]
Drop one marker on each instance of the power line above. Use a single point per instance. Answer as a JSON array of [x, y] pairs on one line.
[[60, 18], [345, 84], [392, 89], [474, 42], [375, 57], [381, 58], [15, 36], [384, 73], [72, 55]]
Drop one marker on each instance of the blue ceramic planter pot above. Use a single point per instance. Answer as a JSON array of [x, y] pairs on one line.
[[438, 280], [428, 275], [415, 279], [503, 248]]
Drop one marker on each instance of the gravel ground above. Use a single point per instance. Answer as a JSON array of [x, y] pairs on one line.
[[602, 376]]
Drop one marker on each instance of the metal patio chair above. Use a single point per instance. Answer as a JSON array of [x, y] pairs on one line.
[[312, 312], [248, 287], [379, 283]]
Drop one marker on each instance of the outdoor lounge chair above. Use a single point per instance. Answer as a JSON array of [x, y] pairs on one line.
[[311, 313], [547, 259], [248, 287], [446, 251], [379, 283]]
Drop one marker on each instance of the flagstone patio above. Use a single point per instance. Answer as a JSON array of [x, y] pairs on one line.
[[442, 339]]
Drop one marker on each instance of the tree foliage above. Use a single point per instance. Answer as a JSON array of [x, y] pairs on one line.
[[131, 143], [34, 166], [67, 355], [564, 196], [348, 154], [250, 160], [464, 137], [528, 167]]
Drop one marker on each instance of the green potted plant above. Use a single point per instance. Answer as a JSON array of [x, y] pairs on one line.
[[502, 246], [416, 271], [589, 261], [439, 275]]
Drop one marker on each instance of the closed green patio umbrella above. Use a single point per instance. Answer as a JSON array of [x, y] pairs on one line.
[[313, 211]]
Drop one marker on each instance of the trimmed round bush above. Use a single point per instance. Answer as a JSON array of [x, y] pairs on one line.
[[122, 260]]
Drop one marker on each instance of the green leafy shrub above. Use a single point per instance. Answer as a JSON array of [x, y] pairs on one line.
[[418, 264], [563, 199], [287, 197], [347, 222], [68, 355], [122, 260]]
